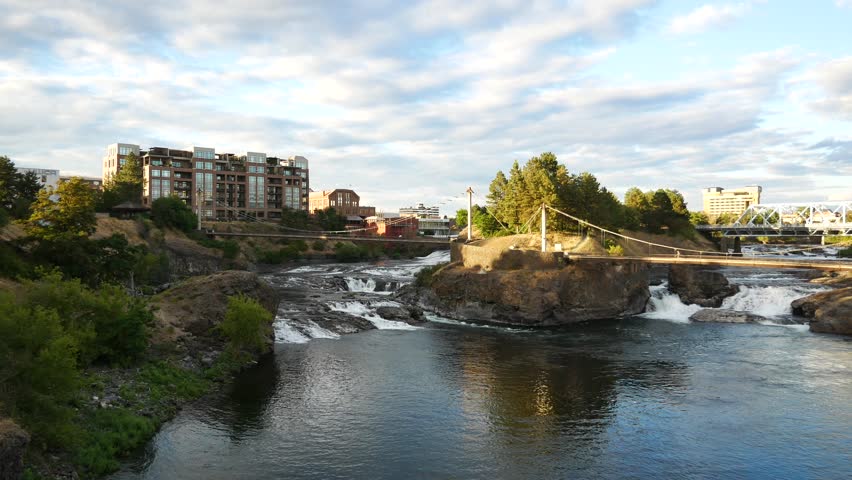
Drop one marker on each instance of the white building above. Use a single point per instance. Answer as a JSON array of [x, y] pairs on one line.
[[46, 177], [431, 224]]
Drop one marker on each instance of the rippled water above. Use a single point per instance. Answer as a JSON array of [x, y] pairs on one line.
[[635, 398]]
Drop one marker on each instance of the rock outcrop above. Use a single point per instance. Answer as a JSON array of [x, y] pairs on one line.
[[830, 312], [700, 286], [531, 297], [410, 314], [722, 315], [13, 445], [197, 305]]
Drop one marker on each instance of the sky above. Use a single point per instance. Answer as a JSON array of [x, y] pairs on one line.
[[410, 102]]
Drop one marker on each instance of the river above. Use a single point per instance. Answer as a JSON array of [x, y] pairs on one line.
[[652, 396]]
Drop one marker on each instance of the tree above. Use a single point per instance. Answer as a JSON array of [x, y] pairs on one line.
[[699, 218], [497, 193], [172, 212], [124, 186], [65, 213], [330, 221], [17, 190], [461, 218]]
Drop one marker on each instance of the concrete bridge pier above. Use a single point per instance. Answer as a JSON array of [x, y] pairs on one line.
[[734, 244]]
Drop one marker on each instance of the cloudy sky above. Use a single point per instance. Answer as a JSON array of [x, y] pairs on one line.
[[412, 102]]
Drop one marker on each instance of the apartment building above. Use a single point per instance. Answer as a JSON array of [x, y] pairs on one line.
[[718, 200], [344, 201], [420, 211], [220, 186], [95, 183], [115, 158]]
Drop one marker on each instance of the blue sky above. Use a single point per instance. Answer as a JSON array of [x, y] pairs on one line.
[[411, 102]]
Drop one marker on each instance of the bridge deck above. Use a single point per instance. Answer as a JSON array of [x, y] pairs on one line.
[[301, 236], [754, 262]]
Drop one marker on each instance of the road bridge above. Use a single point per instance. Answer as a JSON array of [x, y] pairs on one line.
[[720, 260], [789, 220]]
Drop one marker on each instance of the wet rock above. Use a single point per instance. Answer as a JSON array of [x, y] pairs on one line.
[[700, 286], [13, 445], [531, 297], [830, 312], [721, 315], [408, 314]]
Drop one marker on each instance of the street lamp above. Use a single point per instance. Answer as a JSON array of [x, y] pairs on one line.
[[198, 205]]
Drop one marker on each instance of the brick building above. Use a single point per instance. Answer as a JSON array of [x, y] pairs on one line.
[[344, 201]]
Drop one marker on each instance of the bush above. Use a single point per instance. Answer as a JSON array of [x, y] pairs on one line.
[[615, 251], [107, 324], [4, 218], [173, 212], [845, 253], [300, 246], [247, 324], [11, 264], [347, 252], [424, 277], [39, 369], [110, 433], [318, 245], [281, 255]]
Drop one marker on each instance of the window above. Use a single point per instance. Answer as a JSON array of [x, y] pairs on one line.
[[155, 173], [124, 150], [205, 155], [165, 173]]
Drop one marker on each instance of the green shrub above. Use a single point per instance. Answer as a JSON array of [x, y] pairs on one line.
[[11, 263], [347, 252], [845, 253], [300, 246], [424, 277], [111, 433], [4, 218], [278, 256], [615, 251], [174, 213], [163, 381], [318, 245], [107, 324], [247, 324], [39, 369]]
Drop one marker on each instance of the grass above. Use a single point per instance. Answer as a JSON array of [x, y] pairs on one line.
[[425, 277]]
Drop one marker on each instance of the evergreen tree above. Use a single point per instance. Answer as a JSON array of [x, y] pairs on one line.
[[124, 186], [17, 190]]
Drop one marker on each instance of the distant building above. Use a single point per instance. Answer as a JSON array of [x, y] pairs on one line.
[[46, 177], [344, 201], [420, 211], [718, 201], [430, 221], [393, 225], [94, 183], [221, 186]]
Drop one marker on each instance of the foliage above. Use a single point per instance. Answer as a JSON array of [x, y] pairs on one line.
[[109, 434], [70, 215], [4, 218], [461, 218], [615, 250], [347, 252], [726, 219], [230, 248], [297, 219], [124, 186], [275, 257], [12, 264], [542, 180], [17, 190], [486, 223], [699, 218], [106, 260], [656, 211], [246, 324], [318, 245], [424, 277], [39, 368], [845, 253], [329, 220], [172, 212], [107, 324], [300, 246]]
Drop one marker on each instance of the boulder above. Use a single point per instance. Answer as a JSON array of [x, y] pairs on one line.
[[830, 312], [723, 315], [409, 314], [700, 286], [13, 445], [196, 306], [533, 297]]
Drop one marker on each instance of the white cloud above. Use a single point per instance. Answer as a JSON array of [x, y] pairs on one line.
[[707, 16]]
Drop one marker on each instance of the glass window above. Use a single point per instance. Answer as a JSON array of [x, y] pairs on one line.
[[155, 173], [165, 173]]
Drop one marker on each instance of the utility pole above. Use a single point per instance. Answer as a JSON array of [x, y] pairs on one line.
[[543, 228], [198, 206], [469, 213]]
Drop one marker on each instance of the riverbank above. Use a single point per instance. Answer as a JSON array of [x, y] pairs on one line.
[[203, 331]]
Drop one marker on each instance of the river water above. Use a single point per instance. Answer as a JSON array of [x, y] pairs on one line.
[[652, 396]]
